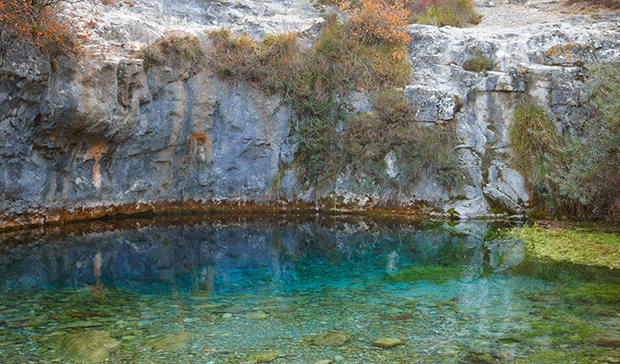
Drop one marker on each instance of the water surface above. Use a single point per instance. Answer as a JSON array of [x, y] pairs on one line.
[[208, 291]]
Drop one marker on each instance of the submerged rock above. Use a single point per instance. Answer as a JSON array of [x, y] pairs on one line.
[[257, 315], [478, 358], [336, 338], [388, 342], [171, 341], [86, 347], [263, 356], [492, 357]]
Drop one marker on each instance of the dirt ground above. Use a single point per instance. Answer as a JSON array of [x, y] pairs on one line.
[[531, 12]]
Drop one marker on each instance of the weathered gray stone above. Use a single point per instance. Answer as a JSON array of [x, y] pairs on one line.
[[431, 105], [502, 200], [506, 188], [133, 27], [262, 356], [469, 208], [113, 132]]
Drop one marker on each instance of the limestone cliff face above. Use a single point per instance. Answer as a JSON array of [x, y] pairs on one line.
[[116, 133], [541, 64]]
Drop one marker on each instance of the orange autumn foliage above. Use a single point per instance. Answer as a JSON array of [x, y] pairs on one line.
[[378, 20], [43, 24]]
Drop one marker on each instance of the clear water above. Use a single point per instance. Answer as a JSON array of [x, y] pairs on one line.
[[297, 292]]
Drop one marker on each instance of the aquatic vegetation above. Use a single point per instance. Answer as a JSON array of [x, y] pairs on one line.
[[575, 245], [552, 355], [593, 293], [565, 328]]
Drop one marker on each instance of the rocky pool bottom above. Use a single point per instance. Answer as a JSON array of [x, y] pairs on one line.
[[337, 291]]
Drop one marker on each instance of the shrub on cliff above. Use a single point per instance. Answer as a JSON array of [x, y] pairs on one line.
[[378, 20], [588, 173], [383, 18], [479, 63], [44, 24], [576, 175], [366, 51], [533, 138], [269, 64], [420, 152], [176, 47], [344, 56]]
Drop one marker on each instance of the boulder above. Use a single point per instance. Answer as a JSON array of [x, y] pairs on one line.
[[92, 346]]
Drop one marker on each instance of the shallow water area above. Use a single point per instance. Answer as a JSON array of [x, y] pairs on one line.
[[319, 291]]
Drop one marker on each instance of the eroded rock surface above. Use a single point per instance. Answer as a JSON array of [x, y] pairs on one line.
[[116, 132], [542, 64]]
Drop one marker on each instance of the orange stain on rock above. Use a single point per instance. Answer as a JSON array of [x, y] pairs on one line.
[[200, 147], [200, 136], [54, 137], [96, 152]]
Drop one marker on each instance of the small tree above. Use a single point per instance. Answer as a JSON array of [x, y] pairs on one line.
[[43, 24]]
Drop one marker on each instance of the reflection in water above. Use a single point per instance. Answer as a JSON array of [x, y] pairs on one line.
[[249, 256], [97, 261], [293, 293]]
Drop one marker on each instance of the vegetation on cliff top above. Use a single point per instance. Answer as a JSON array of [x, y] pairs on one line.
[[456, 13], [179, 48], [44, 24], [313, 79]]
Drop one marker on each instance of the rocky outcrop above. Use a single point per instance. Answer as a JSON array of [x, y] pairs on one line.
[[129, 28], [116, 133], [542, 64]]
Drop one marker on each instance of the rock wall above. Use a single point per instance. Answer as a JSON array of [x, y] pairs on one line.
[[113, 132], [542, 64], [117, 133]]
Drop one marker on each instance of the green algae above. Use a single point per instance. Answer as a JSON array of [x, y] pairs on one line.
[[563, 329], [592, 293], [578, 245], [553, 355]]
